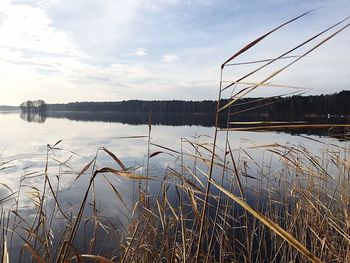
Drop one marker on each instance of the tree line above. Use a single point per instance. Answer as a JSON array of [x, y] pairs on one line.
[[319, 105]]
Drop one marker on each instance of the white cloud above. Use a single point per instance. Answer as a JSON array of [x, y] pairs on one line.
[[28, 28], [140, 52], [169, 58]]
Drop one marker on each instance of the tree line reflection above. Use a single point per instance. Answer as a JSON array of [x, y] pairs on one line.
[[175, 119], [38, 117]]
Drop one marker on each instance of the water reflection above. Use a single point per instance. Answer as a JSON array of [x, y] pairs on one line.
[[139, 118], [191, 119], [29, 116]]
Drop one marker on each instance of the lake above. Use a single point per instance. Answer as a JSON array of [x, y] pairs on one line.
[[24, 140]]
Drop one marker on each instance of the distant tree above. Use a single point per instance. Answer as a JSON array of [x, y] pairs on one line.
[[29, 105], [23, 106], [38, 106], [41, 106]]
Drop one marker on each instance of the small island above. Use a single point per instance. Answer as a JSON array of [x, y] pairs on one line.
[[33, 111], [33, 106]]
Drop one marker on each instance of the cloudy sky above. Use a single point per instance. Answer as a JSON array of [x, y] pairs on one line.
[[98, 50]]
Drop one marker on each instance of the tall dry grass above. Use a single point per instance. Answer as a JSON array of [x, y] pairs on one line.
[[291, 207]]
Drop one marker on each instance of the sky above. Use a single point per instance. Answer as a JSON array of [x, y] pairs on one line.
[[107, 50]]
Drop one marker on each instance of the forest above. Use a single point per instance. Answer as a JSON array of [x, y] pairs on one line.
[[277, 107]]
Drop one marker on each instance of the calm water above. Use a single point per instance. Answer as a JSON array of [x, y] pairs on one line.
[[26, 144], [26, 141]]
